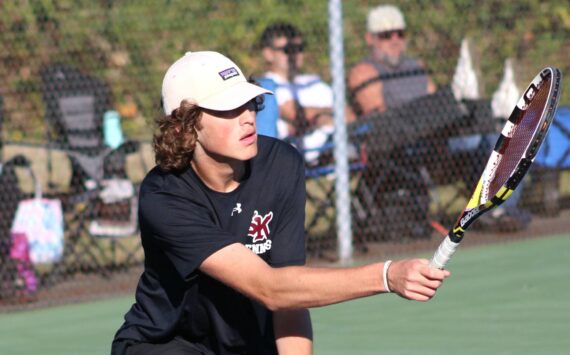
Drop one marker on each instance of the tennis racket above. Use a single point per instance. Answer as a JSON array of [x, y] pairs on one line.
[[511, 158]]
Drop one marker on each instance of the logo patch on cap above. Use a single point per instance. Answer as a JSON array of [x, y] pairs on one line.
[[229, 73]]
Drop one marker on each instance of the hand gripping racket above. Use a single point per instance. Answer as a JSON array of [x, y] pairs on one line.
[[511, 158]]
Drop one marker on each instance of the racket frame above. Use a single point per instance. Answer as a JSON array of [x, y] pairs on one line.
[[477, 204]]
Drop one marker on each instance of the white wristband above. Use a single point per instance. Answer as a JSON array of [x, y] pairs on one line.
[[385, 275]]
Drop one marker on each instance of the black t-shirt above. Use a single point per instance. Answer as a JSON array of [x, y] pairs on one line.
[[183, 222]]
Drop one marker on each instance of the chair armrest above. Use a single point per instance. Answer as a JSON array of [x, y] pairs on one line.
[[129, 147], [19, 161]]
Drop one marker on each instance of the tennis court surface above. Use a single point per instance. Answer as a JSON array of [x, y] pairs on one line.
[[501, 299]]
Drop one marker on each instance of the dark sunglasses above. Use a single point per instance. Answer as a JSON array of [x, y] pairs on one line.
[[389, 34], [291, 48], [258, 102]]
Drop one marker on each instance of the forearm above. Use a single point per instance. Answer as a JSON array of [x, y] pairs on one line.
[[298, 287], [314, 116], [306, 287], [366, 91], [371, 100], [293, 287]]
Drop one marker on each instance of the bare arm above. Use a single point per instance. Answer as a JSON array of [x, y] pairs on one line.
[[431, 87], [314, 115], [293, 332], [369, 98], [297, 287]]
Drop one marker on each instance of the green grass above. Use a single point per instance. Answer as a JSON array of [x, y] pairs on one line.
[[505, 299]]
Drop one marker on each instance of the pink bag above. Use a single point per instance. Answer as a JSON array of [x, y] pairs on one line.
[[41, 221], [20, 252]]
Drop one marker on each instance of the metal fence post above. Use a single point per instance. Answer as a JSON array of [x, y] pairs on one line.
[[342, 182]]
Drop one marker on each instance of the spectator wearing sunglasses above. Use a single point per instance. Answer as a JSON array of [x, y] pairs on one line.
[[387, 78], [305, 100]]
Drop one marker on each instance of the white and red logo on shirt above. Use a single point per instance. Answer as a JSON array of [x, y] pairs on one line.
[[259, 231]]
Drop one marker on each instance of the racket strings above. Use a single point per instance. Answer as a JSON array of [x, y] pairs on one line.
[[514, 148]]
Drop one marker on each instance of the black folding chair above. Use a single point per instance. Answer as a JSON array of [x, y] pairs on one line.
[[101, 202]]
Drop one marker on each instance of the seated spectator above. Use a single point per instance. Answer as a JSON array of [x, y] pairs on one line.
[[305, 101], [391, 84], [384, 81], [387, 78]]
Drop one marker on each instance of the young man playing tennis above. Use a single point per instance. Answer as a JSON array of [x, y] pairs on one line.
[[222, 226]]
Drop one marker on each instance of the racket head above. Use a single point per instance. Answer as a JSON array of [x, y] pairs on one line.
[[516, 148]]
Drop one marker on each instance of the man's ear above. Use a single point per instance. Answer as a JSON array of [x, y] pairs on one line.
[[268, 54]]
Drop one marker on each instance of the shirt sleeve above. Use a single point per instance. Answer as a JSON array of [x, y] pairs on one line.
[[312, 91], [289, 243], [283, 94], [317, 94], [181, 227]]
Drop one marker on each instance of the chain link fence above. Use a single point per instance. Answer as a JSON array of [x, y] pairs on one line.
[[79, 92]]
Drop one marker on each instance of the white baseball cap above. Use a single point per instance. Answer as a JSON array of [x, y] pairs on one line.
[[209, 80], [385, 18]]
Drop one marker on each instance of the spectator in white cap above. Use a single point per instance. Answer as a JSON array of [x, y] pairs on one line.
[[222, 227], [387, 78]]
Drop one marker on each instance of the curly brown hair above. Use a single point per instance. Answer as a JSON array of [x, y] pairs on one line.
[[175, 137]]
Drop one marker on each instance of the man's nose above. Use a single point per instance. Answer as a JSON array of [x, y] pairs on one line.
[[247, 116]]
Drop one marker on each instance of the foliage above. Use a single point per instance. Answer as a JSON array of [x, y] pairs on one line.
[[131, 43]]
